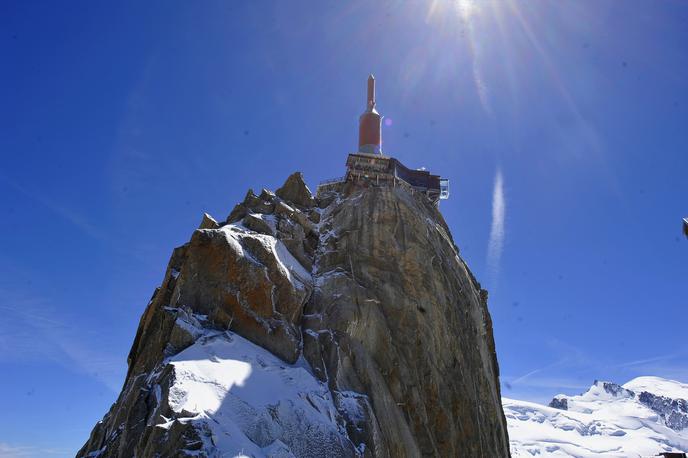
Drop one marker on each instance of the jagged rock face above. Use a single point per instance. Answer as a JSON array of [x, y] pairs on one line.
[[615, 389], [367, 285], [248, 282], [674, 412]]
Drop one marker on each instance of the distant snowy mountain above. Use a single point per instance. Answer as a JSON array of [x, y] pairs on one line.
[[644, 417]]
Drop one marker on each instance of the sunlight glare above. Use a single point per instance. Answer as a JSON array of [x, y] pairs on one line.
[[466, 9]]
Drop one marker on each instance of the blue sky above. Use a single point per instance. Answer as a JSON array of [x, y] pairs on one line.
[[561, 125]]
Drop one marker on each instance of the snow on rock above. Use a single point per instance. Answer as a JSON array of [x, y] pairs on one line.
[[244, 401], [298, 275], [607, 420]]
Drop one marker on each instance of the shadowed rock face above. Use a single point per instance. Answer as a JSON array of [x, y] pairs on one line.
[[366, 284]]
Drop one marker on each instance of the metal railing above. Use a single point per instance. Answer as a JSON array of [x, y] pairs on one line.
[[331, 180]]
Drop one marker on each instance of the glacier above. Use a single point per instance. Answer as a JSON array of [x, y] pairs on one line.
[[643, 417]]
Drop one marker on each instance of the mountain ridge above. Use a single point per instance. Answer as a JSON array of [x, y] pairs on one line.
[[642, 417], [357, 297]]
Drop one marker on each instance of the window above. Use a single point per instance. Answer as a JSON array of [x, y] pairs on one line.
[[444, 188]]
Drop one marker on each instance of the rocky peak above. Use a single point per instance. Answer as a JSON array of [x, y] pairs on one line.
[[359, 297], [208, 222], [296, 191], [614, 389]]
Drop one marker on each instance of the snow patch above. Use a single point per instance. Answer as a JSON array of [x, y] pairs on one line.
[[270, 220], [297, 275], [251, 402], [659, 386]]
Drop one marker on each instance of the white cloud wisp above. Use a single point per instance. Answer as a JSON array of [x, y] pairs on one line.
[[496, 243]]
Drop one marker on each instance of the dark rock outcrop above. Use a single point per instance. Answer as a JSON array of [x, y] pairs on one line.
[[559, 403], [366, 284], [674, 412], [615, 389]]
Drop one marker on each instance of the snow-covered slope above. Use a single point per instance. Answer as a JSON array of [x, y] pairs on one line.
[[644, 417], [244, 401]]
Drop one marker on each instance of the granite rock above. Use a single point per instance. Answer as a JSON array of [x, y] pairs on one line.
[[366, 285]]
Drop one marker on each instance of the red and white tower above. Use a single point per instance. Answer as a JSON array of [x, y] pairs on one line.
[[370, 124]]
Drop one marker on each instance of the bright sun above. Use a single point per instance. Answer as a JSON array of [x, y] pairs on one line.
[[466, 8]]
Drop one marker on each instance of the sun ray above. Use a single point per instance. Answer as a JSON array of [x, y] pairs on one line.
[[551, 69]]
